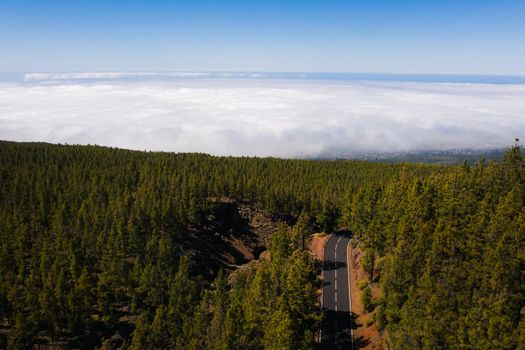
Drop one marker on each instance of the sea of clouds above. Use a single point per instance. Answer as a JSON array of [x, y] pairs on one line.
[[263, 117]]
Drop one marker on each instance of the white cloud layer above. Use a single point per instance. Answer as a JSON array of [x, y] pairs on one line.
[[283, 118]]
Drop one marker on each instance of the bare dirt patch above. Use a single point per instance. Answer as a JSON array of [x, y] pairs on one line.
[[317, 246], [232, 234]]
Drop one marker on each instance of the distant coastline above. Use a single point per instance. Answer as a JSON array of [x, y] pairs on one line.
[[192, 75]]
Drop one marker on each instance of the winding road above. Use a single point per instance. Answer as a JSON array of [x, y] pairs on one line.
[[336, 332]]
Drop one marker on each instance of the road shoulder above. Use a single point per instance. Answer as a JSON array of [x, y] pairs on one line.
[[366, 335]]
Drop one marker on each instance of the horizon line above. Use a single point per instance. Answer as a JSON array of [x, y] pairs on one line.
[[264, 71]]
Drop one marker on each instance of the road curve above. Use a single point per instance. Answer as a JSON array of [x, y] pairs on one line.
[[336, 330]]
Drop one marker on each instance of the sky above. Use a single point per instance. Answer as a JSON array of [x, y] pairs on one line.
[[402, 36]]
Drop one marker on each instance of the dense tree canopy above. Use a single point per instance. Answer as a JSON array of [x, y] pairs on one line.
[[452, 253], [93, 236]]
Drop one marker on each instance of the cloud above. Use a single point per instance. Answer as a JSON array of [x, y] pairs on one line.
[[284, 118]]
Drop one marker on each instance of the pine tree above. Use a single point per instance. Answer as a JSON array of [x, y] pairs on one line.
[[301, 230], [20, 337]]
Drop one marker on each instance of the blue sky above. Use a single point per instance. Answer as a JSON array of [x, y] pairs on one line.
[[464, 37]]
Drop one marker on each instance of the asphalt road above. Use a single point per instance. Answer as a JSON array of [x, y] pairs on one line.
[[337, 326]]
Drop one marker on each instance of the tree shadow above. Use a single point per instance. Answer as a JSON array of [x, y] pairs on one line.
[[326, 283], [333, 265], [344, 232], [337, 329]]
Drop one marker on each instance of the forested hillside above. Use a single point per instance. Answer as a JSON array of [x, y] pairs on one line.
[[93, 249], [448, 251], [95, 238]]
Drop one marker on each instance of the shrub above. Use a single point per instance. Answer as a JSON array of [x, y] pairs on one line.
[[362, 284], [366, 298], [380, 317]]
